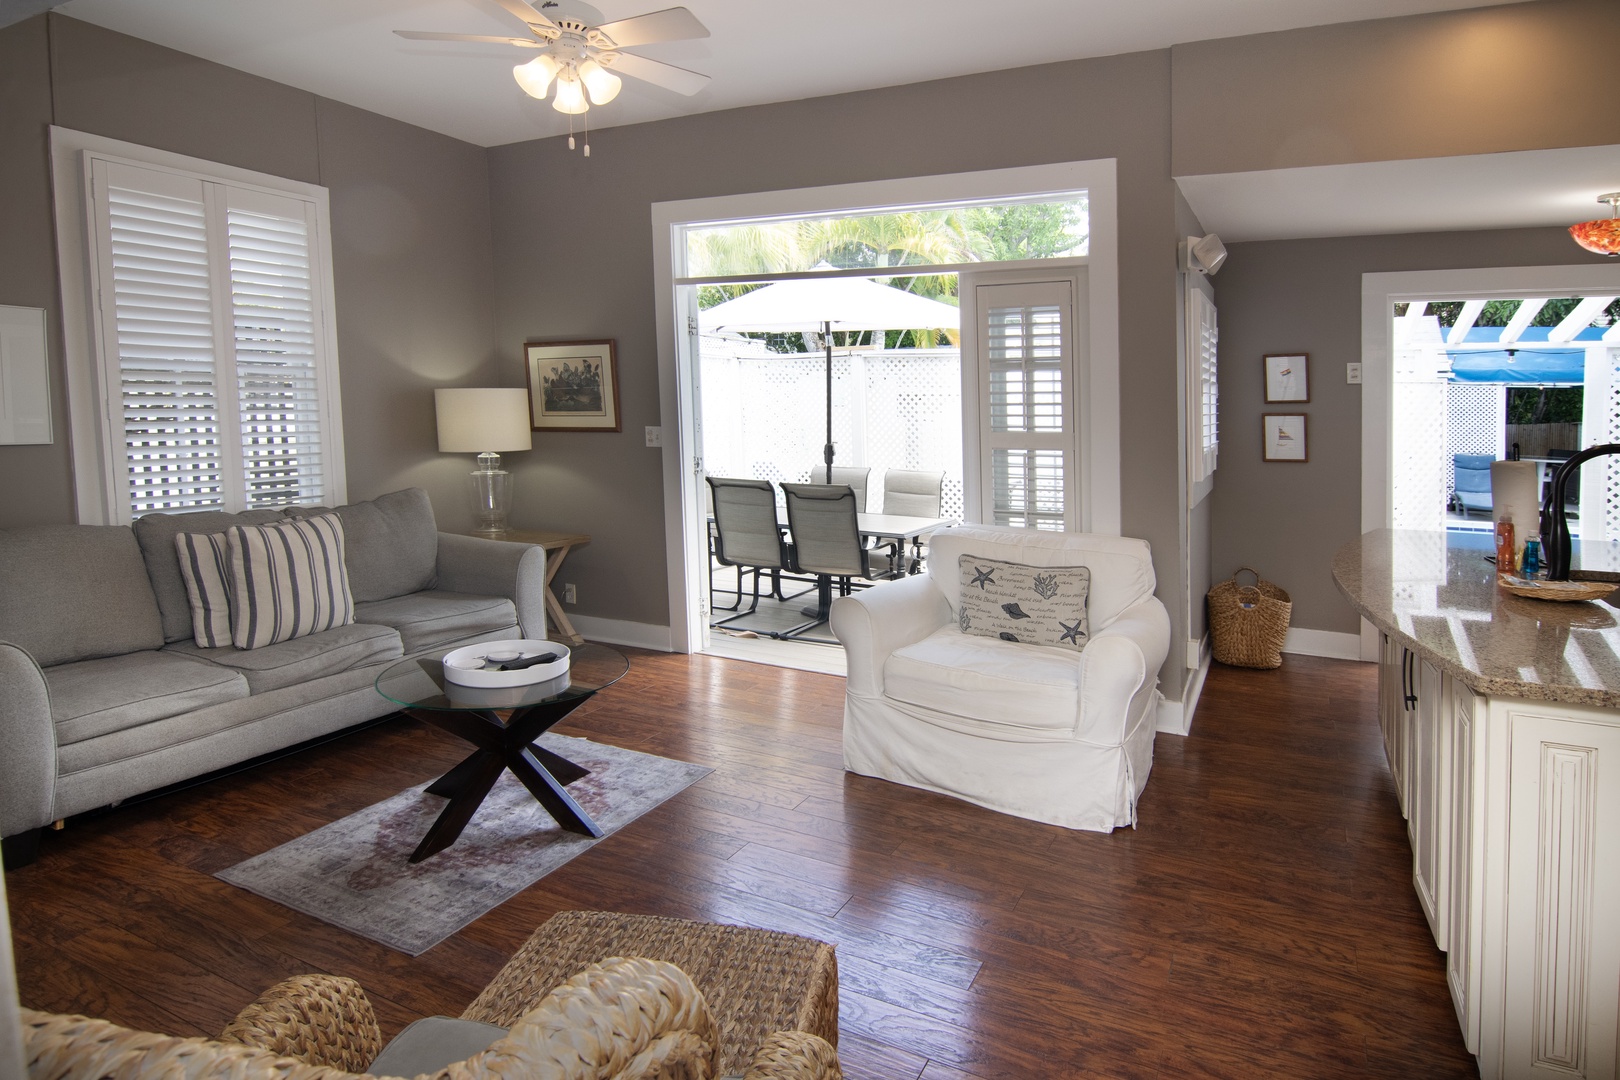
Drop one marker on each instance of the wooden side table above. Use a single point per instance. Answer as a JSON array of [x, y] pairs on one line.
[[557, 545]]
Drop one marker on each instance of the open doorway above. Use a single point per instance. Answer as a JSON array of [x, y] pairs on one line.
[[755, 400], [1407, 457]]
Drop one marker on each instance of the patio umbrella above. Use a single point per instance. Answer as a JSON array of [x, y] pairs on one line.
[[834, 303]]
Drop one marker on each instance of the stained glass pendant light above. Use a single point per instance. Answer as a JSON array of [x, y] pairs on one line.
[[1603, 235]]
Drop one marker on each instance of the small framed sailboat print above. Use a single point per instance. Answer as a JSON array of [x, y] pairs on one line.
[[1287, 378], [1283, 437]]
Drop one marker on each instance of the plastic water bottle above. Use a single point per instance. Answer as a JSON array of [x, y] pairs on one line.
[[1532, 558]]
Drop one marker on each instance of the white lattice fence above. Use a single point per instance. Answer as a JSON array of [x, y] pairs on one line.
[[764, 414], [1476, 423], [1420, 464]]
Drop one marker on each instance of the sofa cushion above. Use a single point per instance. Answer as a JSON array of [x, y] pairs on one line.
[[1032, 605], [302, 658], [1009, 689], [288, 580], [1121, 567], [392, 540], [91, 698], [426, 620], [156, 533], [75, 592]]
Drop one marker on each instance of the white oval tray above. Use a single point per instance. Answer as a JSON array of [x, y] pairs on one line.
[[466, 664]]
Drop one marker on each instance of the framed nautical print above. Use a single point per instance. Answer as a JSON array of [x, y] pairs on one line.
[[573, 386]]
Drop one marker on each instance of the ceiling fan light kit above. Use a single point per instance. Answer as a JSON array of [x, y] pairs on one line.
[[577, 49], [1602, 236]]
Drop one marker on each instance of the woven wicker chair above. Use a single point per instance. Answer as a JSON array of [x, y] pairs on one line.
[[771, 1015]]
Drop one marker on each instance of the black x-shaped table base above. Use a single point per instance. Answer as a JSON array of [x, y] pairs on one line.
[[501, 746]]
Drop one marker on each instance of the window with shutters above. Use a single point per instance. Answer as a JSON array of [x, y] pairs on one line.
[[210, 340], [1024, 347], [1203, 397]]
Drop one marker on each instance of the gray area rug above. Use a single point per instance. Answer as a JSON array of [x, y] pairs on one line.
[[353, 873]]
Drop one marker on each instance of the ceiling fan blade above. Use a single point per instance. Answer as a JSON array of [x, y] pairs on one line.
[[671, 24], [656, 72], [423, 35], [531, 17]]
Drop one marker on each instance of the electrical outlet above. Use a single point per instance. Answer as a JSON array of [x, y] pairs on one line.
[[569, 596], [655, 436], [1352, 374]]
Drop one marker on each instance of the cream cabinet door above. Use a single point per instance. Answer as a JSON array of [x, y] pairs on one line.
[[1562, 971], [1463, 939]]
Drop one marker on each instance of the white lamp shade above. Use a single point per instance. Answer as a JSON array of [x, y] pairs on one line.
[[536, 75], [570, 94], [600, 83], [483, 420]]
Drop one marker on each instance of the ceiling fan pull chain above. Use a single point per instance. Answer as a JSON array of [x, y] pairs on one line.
[[587, 122], [570, 133]]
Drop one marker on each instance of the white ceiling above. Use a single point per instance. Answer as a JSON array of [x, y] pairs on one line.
[[760, 50], [763, 51]]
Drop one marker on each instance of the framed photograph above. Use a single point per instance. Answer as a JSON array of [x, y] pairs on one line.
[[573, 386], [1286, 378], [1283, 437]]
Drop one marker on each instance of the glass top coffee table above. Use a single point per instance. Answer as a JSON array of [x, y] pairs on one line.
[[502, 723]]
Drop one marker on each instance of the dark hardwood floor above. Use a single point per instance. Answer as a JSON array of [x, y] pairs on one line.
[[1260, 922]]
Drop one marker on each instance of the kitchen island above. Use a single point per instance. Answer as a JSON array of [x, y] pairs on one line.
[[1501, 722]]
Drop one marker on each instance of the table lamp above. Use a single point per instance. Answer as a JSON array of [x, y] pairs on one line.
[[485, 422]]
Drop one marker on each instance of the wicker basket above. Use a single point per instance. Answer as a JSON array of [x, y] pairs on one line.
[[1247, 623]]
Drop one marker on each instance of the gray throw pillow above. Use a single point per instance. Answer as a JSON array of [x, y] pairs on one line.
[[1033, 605]]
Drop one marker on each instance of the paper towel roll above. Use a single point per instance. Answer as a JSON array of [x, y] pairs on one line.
[[1516, 494]]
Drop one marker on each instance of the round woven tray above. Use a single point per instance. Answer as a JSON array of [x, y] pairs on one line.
[[1556, 590]]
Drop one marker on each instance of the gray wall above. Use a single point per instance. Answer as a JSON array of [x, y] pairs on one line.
[[1518, 77], [1287, 519], [411, 247], [574, 254]]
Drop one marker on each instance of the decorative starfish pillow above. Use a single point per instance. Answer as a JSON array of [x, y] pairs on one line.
[[1034, 605]]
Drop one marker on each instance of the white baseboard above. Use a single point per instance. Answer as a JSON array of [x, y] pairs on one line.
[[1176, 717], [620, 632], [1322, 643]]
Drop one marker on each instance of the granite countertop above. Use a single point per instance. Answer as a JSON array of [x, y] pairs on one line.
[[1434, 593]]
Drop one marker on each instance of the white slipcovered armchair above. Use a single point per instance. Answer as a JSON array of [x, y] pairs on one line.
[[1036, 731]]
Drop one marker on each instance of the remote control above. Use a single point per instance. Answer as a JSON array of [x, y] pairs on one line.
[[529, 661]]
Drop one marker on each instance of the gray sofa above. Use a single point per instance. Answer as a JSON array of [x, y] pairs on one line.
[[104, 695]]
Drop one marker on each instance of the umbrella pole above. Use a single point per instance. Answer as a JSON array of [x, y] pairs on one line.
[[827, 451]]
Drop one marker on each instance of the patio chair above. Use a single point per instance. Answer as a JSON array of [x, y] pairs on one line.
[[747, 534], [1473, 483], [827, 543], [856, 478], [913, 493]]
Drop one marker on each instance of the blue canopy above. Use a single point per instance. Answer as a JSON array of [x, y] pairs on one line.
[[1531, 359]]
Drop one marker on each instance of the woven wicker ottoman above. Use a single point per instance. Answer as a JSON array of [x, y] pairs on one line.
[[757, 982]]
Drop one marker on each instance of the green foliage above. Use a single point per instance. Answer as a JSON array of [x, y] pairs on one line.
[[1038, 231], [1545, 404]]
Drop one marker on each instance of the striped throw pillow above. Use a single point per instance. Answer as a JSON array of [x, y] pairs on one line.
[[288, 579], [205, 566]]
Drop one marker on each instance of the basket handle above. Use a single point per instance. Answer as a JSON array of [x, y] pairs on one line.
[[1251, 570]]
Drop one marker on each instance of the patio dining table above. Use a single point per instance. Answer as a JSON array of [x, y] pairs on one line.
[[900, 528]]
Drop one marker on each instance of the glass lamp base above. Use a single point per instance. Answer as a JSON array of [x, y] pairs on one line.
[[491, 494]]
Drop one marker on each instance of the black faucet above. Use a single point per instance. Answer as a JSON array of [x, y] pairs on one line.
[[1555, 519]]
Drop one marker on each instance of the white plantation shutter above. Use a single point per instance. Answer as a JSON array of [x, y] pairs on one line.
[[162, 339], [1026, 335], [278, 388], [218, 380], [1203, 392]]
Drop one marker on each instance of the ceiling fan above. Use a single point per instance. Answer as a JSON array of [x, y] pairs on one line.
[[581, 53]]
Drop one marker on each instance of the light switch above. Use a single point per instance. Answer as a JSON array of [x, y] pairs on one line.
[[655, 436], [1352, 374]]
